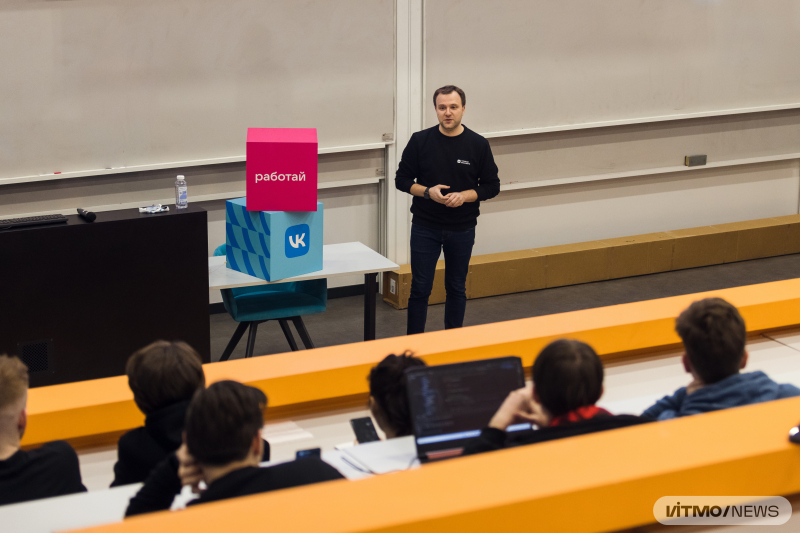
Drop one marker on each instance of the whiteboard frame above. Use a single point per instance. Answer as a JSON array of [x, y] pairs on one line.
[[378, 180], [173, 164], [641, 120], [382, 145], [534, 184]]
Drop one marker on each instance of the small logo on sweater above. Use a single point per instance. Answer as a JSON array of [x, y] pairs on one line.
[[462, 161]]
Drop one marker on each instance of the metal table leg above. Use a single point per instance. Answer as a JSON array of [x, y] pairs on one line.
[[370, 290]]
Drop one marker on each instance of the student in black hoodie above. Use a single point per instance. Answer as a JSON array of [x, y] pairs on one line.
[[223, 449], [50, 470], [163, 377], [567, 382]]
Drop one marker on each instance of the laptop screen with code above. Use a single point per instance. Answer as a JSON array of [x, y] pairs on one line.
[[451, 403]]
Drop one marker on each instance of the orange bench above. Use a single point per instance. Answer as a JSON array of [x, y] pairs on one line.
[[96, 412], [592, 483]]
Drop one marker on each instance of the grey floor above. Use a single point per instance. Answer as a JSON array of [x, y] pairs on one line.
[[343, 321]]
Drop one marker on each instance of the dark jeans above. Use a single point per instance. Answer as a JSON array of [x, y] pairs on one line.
[[426, 245]]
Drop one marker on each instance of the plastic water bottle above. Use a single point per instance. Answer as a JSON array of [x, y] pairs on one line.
[[181, 196]]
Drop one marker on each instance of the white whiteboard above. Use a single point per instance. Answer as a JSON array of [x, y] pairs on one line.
[[558, 64], [95, 84]]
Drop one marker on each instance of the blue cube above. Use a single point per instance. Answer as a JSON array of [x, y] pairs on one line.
[[273, 245]]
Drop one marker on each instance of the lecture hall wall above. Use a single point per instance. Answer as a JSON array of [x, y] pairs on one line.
[[590, 107]]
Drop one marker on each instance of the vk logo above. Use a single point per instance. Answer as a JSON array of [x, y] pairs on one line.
[[298, 239]]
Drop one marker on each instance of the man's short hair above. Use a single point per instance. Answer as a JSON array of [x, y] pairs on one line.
[[163, 373], [222, 421], [389, 387], [447, 89], [13, 380], [567, 375], [714, 336]]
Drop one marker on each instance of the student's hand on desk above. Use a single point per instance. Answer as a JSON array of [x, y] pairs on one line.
[[518, 407], [188, 470]]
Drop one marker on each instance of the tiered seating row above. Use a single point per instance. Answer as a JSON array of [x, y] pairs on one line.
[[600, 482], [95, 412]]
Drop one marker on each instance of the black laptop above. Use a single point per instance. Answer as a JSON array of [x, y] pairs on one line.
[[450, 404]]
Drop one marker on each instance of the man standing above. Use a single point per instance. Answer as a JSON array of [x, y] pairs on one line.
[[449, 169]]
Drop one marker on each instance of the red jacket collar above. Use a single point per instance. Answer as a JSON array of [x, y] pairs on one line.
[[581, 413]]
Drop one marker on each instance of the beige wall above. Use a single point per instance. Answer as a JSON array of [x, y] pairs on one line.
[[578, 184]]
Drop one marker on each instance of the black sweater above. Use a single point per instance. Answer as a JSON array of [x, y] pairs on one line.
[[495, 439], [163, 483], [142, 449], [51, 470], [463, 162]]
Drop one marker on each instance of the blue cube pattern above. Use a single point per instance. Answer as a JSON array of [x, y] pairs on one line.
[[237, 214], [244, 261], [255, 241]]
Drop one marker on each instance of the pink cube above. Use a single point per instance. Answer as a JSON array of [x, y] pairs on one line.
[[281, 170]]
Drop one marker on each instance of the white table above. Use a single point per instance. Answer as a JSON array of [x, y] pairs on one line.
[[337, 260], [107, 506], [74, 511]]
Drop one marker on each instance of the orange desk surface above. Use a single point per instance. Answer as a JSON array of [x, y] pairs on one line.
[[297, 382], [601, 482]]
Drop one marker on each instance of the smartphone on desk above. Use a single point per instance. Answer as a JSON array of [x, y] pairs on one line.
[[312, 452], [364, 430]]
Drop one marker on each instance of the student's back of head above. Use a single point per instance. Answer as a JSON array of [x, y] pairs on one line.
[[389, 395], [223, 448], [567, 383], [163, 377], [164, 373], [567, 375], [13, 396], [714, 336], [50, 470], [223, 421]]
